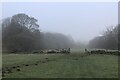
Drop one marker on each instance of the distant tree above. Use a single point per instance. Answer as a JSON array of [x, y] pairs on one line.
[[57, 40], [108, 40]]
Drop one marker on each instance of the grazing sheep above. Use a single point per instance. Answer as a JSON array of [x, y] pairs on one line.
[[51, 51], [105, 52], [86, 50], [58, 51], [54, 51], [41, 51], [67, 51]]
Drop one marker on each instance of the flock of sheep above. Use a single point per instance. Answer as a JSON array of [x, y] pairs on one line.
[[101, 51], [66, 51]]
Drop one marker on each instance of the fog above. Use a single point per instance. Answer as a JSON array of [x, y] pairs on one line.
[[82, 21]]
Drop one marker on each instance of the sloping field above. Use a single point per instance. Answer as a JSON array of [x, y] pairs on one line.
[[60, 66]]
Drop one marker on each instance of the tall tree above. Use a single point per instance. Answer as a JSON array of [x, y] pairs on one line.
[[108, 40], [25, 20], [19, 33]]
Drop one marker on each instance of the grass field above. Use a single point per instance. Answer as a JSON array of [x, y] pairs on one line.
[[62, 66]]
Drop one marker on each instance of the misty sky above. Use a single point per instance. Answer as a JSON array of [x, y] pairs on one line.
[[82, 21]]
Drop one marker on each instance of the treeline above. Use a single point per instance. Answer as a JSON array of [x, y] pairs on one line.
[[21, 33], [108, 40], [57, 40]]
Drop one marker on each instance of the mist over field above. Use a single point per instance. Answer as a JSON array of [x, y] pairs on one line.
[[84, 20], [81, 22], [60, 40]]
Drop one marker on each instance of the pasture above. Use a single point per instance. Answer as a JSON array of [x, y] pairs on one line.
[[75, 65]]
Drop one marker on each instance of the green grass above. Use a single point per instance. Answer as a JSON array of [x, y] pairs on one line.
[[0, 60], [16, 59], [63, 66]]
